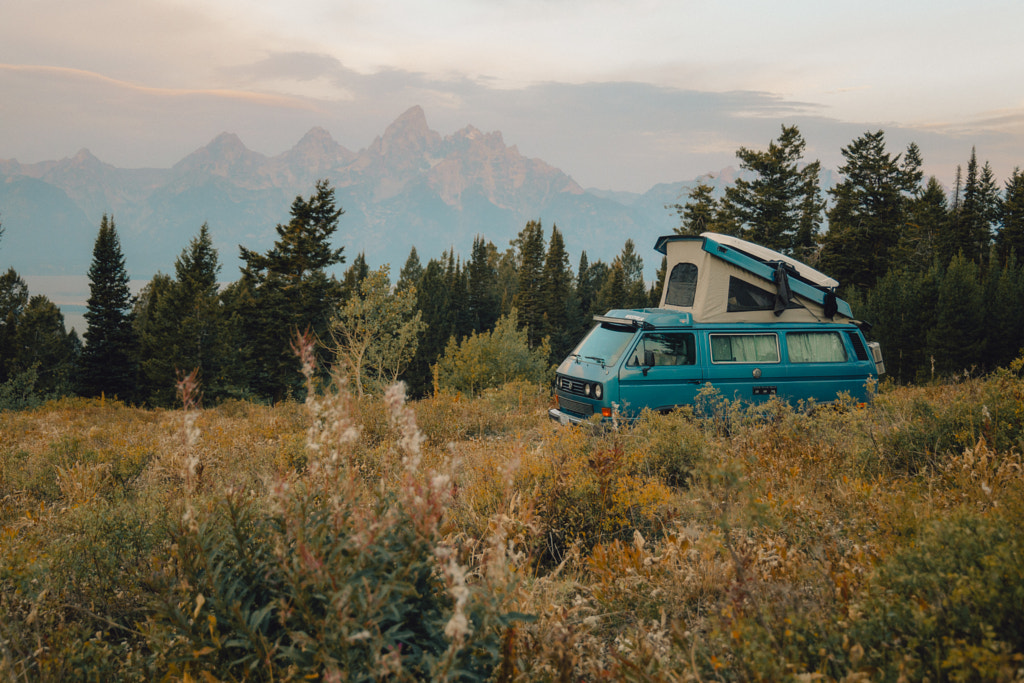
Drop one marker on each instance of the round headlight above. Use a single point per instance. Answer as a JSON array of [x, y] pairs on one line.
[[598, 391], [586, 389]]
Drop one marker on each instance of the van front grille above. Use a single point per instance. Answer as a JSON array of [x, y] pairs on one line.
[[570, 385]]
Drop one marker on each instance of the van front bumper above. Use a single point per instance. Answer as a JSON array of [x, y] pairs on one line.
[[565, 418]]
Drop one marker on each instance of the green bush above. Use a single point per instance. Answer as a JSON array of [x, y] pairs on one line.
[[949, 607], [921, 430], [328, 577], [492, 359]]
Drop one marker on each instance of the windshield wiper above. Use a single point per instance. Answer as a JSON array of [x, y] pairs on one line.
[[595, 359]]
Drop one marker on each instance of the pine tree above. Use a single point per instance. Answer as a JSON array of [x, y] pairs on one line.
[[433, 301], [978, 210], [458, 318], [529, 299], [700, 213], [483, 302], [1004, 315], [13, 300], [286, 291], [927, 216], [613, 293], [633, 276], [1010, 239], [559, 299], [354, 276], [411, 272], [654, 296], [155, 324], [781, 207], [181, 326], [867, 219], [107, 365], [590, 281], [949, 240], [956, 340], [45, 344]]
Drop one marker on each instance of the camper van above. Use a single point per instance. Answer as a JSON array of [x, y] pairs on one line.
[[751, 322]]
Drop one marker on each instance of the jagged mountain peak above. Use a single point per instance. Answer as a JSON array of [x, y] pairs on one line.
[[316, 138], [409, 133], [84, 156], [318, 146], [223, 155]]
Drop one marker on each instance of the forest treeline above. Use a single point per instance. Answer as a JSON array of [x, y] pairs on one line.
[[935, 273]]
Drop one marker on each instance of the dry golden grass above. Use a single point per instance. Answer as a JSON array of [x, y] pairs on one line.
[[759, 544]]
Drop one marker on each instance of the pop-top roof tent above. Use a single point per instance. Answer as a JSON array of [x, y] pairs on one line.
[[719, 278]]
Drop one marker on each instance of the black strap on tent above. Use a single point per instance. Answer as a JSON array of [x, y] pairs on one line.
[[782, 295], [831, 306]]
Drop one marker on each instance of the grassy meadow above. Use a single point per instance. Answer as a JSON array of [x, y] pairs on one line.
[[457, 538]]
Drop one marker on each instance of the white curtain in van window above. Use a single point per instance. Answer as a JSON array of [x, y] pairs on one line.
[[815, 347], [744, 348]]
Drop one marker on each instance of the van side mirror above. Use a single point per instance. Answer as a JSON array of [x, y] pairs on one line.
[[648, 361]]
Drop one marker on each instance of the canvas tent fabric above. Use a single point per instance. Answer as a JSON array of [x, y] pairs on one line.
[[715, 280]]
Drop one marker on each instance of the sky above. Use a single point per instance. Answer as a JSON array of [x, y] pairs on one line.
[[619, 95]]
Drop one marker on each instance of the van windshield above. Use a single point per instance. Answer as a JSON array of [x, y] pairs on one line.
[[604, 344]]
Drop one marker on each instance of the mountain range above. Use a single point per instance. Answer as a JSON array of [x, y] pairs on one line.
[[410, 187]]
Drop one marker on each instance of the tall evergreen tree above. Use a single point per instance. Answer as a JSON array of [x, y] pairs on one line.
[[700, 213], [1004, 315], [483, 302], [456, 280], [1010, 239], [411, 272], [287, 290], [956, 340], [927, 215], [976, 211], [613, 293], [867, 218], [654, 295], [589, 288], [45, 344], [559, 300], [949, 240], [181, 326], [155, 323], [13, 300], [633, 276], [433, 300], [529, 298], [354, 276], [781, 207], [107, 365]]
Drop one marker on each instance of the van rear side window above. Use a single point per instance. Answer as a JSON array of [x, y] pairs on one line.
[[744, 348], [815, 347]]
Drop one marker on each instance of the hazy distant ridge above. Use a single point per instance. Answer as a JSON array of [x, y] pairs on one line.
[[410, 186]]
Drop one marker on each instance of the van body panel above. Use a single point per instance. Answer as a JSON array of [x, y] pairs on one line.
[[664, 366]]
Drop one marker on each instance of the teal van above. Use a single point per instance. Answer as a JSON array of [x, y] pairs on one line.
[[749, 321]]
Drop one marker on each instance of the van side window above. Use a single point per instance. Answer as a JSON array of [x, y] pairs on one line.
[[815, 347], [744, 296], [682, 285], [744, 348], [665, 348]]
